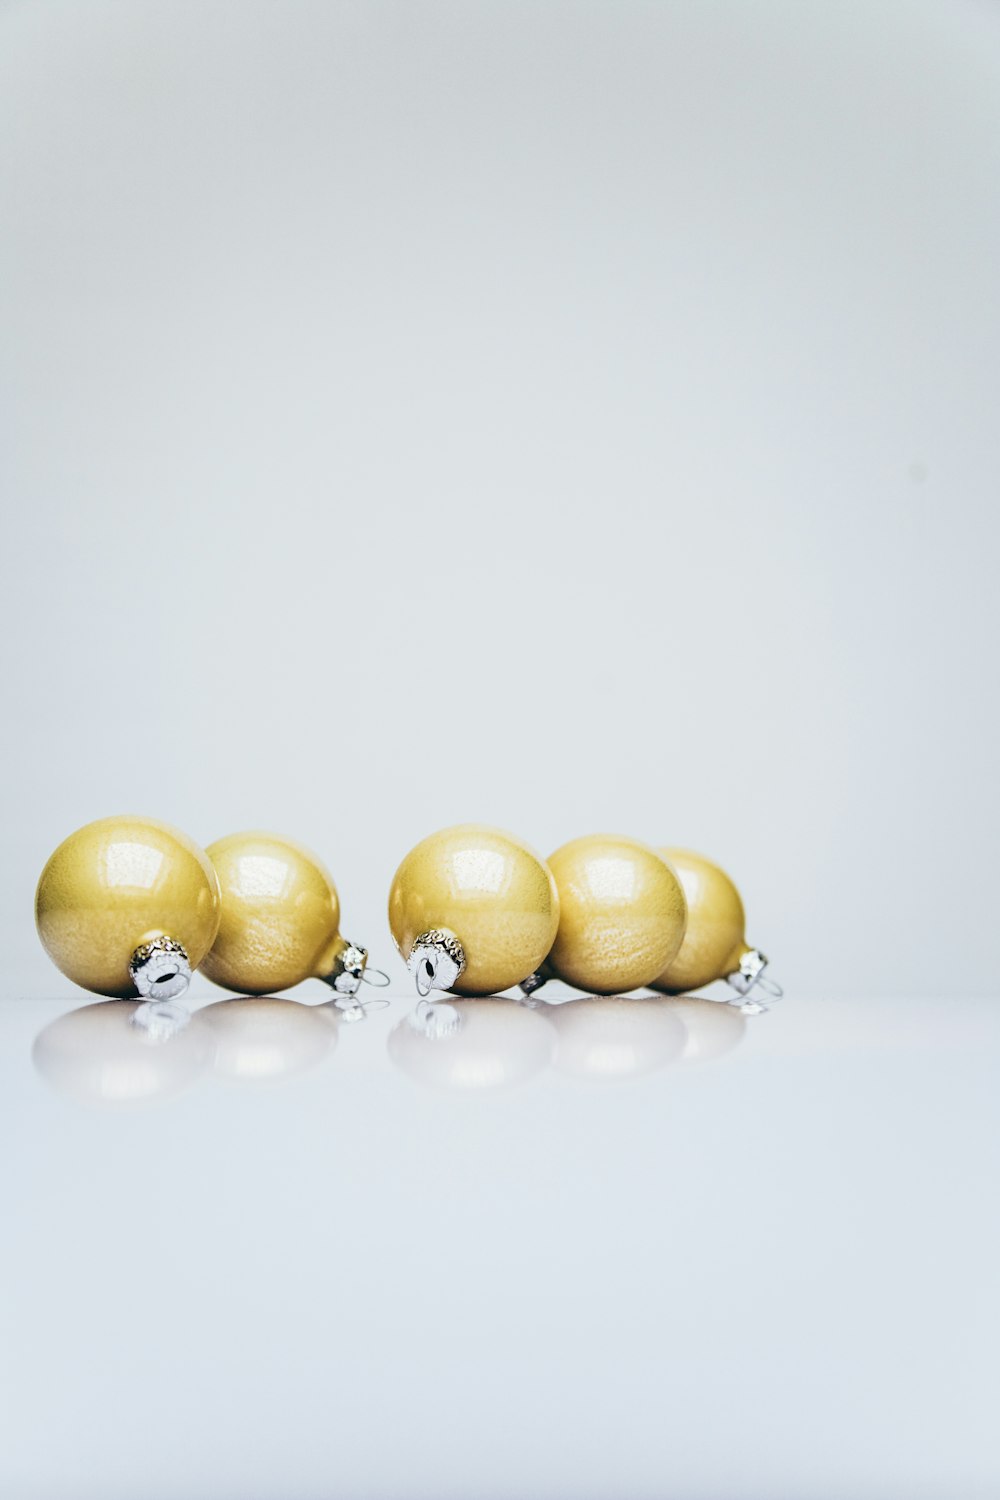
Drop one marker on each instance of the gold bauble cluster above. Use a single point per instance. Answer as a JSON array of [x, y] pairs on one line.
[[474, 910], [255, 912], [129, 905]]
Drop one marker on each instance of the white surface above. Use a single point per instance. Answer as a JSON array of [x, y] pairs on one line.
[[629, 368], [767, 1276]]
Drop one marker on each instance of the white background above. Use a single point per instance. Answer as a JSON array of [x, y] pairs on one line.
[[571, 417]]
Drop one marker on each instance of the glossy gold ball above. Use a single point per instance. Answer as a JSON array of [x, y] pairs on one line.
[[714, 939], [115, 884], [622, 914], [488, 888], [280, 915]]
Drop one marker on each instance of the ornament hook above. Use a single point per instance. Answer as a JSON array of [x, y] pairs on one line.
[[424, 975], [351, 971]]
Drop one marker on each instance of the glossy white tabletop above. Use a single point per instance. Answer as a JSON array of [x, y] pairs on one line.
[[616, 1249]]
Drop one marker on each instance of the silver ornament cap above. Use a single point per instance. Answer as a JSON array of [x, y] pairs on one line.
[[160, 969], [436, 960], [350, 970], [754, 993]]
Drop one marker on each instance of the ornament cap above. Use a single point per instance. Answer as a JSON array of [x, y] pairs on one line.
[[753, 991], [533, 983], [348, 970], [436, 960], [160, 969]]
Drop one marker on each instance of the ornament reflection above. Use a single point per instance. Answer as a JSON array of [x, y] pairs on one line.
[[97, 1056], [712, 1027], [121, 1054], [613, 1037], [498, 1043], [263, 1039], [494, 1044]]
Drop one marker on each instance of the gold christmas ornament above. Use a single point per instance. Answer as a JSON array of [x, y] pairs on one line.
[[714, 945], [472, 910], [280, 920], [128, 906], [621, 916]]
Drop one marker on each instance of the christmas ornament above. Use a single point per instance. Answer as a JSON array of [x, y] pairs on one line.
[[280, 920], [128, 906], [621, 916], [472, 910], [714, 946]]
